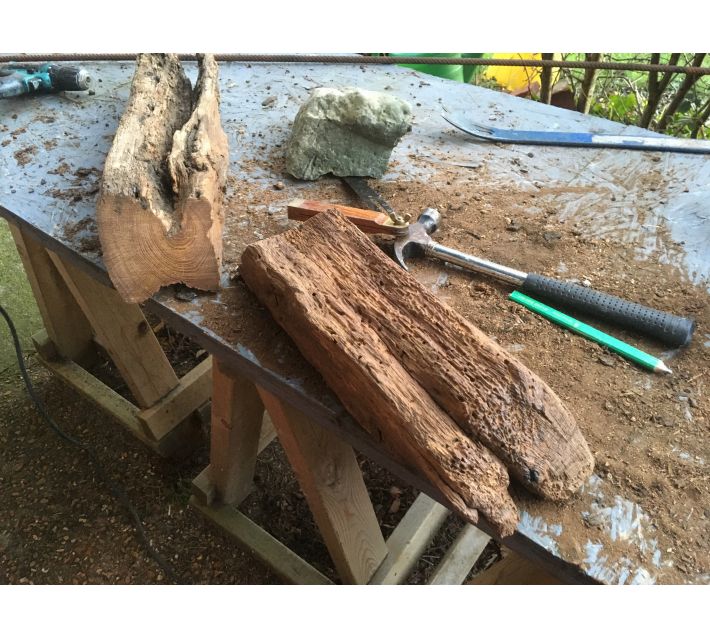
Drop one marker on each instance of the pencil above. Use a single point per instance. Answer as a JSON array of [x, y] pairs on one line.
[[613, 344]]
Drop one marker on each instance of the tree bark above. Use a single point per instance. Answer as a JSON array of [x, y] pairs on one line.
[[438, 393], [590, 79], [159, 211], [678, 98], [546, 80], [656, 88]]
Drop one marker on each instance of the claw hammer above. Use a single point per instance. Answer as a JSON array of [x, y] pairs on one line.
[[670, 329]]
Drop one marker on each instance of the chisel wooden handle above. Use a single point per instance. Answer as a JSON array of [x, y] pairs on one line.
[[368, 221]]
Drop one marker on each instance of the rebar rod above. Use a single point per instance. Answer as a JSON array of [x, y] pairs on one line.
[[363, 59]]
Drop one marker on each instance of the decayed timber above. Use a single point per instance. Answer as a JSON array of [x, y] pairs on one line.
[[385, 346], [493, 397], [159, 210]]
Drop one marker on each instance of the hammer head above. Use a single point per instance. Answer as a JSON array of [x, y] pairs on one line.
[[417, 236]]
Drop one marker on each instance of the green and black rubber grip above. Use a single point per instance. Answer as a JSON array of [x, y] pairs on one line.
[[669, 329]]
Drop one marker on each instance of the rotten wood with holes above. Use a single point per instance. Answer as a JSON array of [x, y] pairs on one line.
[[160, 208], [332, 483], [415, 374]]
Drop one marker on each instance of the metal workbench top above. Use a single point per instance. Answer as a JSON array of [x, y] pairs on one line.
[[52, 153]]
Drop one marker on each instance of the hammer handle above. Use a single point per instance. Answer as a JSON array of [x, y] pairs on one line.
[[365, 220], [669, 329]]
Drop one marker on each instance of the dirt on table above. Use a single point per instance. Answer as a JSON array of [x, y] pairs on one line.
[[648, 433], [25, 155]]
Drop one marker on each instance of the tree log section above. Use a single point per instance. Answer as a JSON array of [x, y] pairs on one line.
[[159, 210], [316, 277]]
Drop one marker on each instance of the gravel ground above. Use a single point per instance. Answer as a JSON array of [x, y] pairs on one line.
[[60, 525]]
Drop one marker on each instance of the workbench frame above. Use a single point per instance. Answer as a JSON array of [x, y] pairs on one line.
[[81, 314], [245, 419]]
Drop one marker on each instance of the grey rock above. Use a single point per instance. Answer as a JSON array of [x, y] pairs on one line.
[[348, 132]]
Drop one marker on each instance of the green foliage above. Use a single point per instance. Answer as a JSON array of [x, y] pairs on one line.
[[617, 107], [622, 96]]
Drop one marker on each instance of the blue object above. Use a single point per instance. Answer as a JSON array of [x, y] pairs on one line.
[[595, 140]]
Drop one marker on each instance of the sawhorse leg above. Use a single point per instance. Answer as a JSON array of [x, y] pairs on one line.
[[239, 431], [331, 480], [78, 312], [68, 329], [326, 468], [332, 483]]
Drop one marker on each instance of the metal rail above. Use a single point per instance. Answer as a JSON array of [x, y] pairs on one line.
[[363, 59]]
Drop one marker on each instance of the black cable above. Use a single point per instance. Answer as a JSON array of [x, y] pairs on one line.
[[114, 488]]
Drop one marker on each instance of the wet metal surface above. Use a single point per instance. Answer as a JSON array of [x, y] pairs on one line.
[[53, 149]]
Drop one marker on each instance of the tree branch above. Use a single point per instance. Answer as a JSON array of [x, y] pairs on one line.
[[546, 80], [701, 120], [678, 98], [587, 88], [656, 88]]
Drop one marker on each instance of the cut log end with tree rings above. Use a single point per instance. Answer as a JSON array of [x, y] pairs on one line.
[[159, 211], [443, 397]]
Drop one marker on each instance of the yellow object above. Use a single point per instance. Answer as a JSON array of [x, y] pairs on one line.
[[518, 80]]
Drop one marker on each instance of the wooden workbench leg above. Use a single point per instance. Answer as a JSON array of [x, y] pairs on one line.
[[332, 483], [123, 331], [238, 431], [67, 327]]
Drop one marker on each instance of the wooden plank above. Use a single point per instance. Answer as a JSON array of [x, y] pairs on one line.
[[93, 389], [235, 433], [66, 325], [266, 548], [193, 390], [332, 483], [409, 540], [125, 333], [267, 434], [514, 570], [203, 488], [367, 221], [460, 557], [160, 210]]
